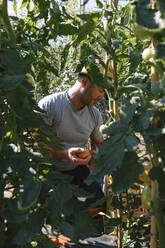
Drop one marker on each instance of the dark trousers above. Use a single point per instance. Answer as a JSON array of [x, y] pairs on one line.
[[79, 174]]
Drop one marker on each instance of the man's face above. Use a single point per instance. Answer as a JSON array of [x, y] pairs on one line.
[[92, 94]]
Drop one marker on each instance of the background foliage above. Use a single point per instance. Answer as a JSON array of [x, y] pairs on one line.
[[37, 55]]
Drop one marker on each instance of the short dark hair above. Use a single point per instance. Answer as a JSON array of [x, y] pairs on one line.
[[82, 75]]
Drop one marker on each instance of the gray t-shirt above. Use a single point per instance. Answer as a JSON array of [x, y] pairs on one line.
[[74, 127]]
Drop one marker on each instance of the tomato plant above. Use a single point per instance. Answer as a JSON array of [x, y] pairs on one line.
[[36, 52]]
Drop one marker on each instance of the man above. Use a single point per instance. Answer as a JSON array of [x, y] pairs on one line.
[[75, 120]]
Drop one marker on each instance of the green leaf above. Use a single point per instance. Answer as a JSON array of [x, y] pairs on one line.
[[67, 29], [123, 180], [158, 173], [155, 131], [125, 15], [54, 20], [57, 203], [148, 21], [109, 158], [161, 115], [56, 8], [19, 164], [66, 229], [137, 80], [13, 206], [99, 4], [10, 61], [115, 128], [84, 30], [158, 87], [108, 14], [15, 7], [160, 51], [114, 222], [29, 230], [128, 89], [83, 226], [145, 119], [131, 142], [3, 239], [14, 217], [161, 5], [24, 4], [160, 147], [163, 99], [9, 83], [92, 17], [127, 112], [116, 44], [64, 56], [37, 47], [144, 33], [43, 8], [4, 165], [31, 190], [56, 177], [116, 2]]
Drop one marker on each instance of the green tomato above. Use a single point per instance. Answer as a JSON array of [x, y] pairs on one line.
[[147, 54], [29, 78], [34, 243]]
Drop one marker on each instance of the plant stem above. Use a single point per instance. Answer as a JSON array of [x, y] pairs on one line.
[[115, 104], [6, 23]]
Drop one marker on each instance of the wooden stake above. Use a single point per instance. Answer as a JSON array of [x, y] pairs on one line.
[[154, 78]]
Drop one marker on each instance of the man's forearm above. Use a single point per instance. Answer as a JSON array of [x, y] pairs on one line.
[[70, 154], [59, 154], [95, 144]]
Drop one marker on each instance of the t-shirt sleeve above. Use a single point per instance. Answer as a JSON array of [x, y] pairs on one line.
[[96, 134], [47, 104]]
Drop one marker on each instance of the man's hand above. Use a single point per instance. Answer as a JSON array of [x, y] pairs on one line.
[[73, 156]]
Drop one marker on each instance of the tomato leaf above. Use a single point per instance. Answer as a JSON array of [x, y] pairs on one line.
[[148, 21], [30, 192], [29, 230], [157, 173], [127, 112], [9, 83], [83, 226], [131, 142], [122, 180]]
